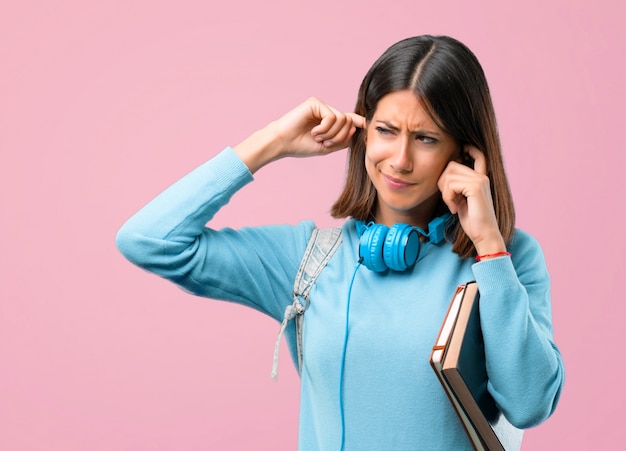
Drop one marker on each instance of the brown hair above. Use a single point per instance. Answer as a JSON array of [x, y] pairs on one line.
[[450, 83]]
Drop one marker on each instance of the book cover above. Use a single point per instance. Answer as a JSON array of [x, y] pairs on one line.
[[458, 359]]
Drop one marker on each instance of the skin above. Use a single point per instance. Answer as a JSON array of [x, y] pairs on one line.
[[408, 158], [406, 154]]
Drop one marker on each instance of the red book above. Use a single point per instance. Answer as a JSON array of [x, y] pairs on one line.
[[458, 358]]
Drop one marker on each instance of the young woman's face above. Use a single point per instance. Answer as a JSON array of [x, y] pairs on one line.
[[405, 156]]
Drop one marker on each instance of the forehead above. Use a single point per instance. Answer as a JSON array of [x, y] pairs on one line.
[[403, 108]]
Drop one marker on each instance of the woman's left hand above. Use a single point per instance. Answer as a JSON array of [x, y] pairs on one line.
[[467, 192]]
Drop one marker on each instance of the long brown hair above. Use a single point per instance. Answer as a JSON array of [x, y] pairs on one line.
[[450, 83]]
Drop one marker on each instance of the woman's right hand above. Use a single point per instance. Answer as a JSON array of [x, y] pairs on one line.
[[312, 128]]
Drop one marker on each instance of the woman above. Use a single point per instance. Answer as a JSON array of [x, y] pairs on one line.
[[423, 144]]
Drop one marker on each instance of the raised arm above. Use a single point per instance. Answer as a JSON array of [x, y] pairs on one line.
[[254, 266], [312, 128]]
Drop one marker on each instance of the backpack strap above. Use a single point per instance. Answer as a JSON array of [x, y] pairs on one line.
[[320, 248]]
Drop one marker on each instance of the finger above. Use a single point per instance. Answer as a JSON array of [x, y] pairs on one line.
[[341, 138], [340, 130], [457, 183], [339, 122], [480, 162], [358, 120], [334, 129], [326, 117]]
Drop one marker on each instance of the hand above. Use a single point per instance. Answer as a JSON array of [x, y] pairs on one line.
[[467, 192], [312, 128]]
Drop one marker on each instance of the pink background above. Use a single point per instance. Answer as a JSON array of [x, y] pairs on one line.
[[103, 104]]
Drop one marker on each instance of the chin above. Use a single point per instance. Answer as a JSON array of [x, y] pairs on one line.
[[404, 209]]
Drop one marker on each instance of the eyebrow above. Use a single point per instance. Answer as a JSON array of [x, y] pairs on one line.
[[420, 131]]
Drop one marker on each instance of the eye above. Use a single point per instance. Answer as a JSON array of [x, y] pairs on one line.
[[426, 139], [383, 130]]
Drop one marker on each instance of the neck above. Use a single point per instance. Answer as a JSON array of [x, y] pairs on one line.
[[419, 216]]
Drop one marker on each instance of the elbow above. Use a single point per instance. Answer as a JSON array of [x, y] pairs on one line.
[[133, 245], [126, 243], [168, 258], [529, 418], [536, 409]]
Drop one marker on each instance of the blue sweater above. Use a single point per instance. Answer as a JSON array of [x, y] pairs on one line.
[[391, 397]]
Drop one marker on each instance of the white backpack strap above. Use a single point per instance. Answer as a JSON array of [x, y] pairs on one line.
[[321, 247]]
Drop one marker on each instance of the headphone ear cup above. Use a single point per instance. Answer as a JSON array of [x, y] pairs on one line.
[[371, 247], [401, 247]]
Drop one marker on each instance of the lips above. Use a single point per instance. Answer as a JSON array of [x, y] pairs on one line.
[[396, 184]]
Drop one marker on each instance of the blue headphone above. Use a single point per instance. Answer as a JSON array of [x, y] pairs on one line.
[[396, 247]]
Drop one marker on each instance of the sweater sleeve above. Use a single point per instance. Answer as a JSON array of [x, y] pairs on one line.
[[254, 266], [524, 366]]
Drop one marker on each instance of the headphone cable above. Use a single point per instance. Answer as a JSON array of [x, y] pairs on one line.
[[343, 354]]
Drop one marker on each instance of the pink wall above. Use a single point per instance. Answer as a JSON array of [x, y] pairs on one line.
[[102, 104]]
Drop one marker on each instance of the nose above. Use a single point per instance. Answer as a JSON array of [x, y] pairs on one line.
[[402, 160]]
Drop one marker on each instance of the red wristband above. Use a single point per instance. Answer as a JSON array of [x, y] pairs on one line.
[[497, 254]]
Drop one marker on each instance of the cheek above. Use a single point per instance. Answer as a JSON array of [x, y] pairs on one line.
[[433, 167], [441, 166], [375, 155], [375, 151], [370, 164], [441, 158]]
